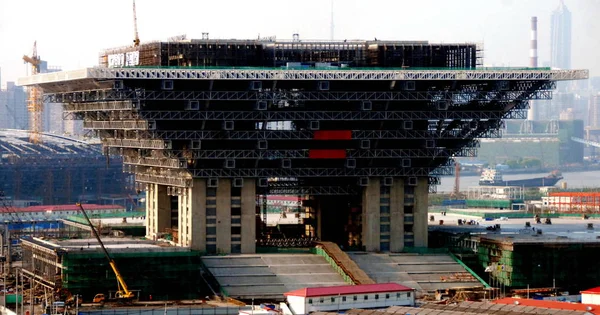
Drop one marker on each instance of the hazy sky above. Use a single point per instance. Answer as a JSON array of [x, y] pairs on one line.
[[71, 33]]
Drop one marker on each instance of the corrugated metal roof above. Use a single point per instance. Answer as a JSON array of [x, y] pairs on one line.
[[556, 305], [90, 207], [349, 289]]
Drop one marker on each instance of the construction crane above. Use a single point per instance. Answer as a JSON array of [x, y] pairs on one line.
[[35, 106], [123, 293], [136, 38]]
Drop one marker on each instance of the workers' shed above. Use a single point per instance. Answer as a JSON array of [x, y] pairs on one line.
[[591, 296], [304, 301]]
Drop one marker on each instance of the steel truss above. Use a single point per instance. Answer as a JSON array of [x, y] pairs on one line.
[[304, 154], [100, 73], [289, 134], [323, 172], [120, 105], [110, 96], [329, 115], [311, 190], [301, 115]]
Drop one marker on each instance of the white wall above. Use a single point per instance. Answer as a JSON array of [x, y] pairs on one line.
[[301, 305], [590, 299], [297, 304]]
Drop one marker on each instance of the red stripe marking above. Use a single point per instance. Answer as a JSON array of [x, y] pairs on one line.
[[326, 154], [333, 135]]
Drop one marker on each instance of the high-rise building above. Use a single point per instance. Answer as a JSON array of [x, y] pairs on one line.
[[13, 107], [560, 41]]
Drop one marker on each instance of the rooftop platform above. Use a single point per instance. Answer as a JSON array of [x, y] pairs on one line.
[[113, 245], [562, 229], [426, 273], [269, 276], [100, 73]]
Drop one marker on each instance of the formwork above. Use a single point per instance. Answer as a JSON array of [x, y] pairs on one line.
[[81, 268], [540, 261]]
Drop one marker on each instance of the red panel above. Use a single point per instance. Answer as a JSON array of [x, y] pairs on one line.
[[327, 154], [333, 135]]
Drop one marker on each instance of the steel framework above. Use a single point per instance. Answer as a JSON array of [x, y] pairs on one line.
[[94, 74], [312, 126]]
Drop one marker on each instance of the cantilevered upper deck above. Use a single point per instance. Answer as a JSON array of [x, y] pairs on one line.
[[85, 76]]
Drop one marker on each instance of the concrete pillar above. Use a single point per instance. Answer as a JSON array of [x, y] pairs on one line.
[[150, 211], [197, 219], [158, 210], [192, 216], [420, 224], [397, 215], [248, 205], [371, 216], [319, 218], [224, 216], [163, 209]]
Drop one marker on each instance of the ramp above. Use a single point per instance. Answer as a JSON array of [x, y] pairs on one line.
[[268, 276], [424, 272]]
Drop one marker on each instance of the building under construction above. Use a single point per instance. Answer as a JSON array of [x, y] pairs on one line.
[[149, 268], [60, 170], [363, 128], [540, 260]]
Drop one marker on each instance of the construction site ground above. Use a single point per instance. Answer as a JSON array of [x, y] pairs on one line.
[[424, 272], [269, 276]]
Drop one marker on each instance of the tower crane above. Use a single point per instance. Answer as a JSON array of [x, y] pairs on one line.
[[35, 105], [136, 38]]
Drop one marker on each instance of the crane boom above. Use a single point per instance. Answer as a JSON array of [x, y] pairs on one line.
[[136, 38], [123, 289]]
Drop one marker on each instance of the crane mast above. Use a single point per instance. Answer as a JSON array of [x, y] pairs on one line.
[[35, 105], [136, 38]]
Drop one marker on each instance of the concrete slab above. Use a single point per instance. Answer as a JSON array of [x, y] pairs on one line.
[[426, 273], [268, 276]]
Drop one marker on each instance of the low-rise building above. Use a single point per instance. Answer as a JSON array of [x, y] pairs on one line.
[[591, 296], [55, 212], [337, 298]]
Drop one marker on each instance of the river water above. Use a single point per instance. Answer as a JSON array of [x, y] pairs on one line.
[[587, 179]]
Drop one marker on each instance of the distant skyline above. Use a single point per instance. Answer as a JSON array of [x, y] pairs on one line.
[[71, 33], [560, 37]]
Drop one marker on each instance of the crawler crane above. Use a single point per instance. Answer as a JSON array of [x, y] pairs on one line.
[[123, 294]]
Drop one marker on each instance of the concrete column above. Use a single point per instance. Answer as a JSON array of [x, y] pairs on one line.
[[371, 216], [224, 216], [420, 212], [197, 215], [319, 217], [163, 209], [150, 211], [248, 203], [397, 216], [182, 217]]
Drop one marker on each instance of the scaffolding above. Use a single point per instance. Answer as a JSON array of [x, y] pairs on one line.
[[167, 273]]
